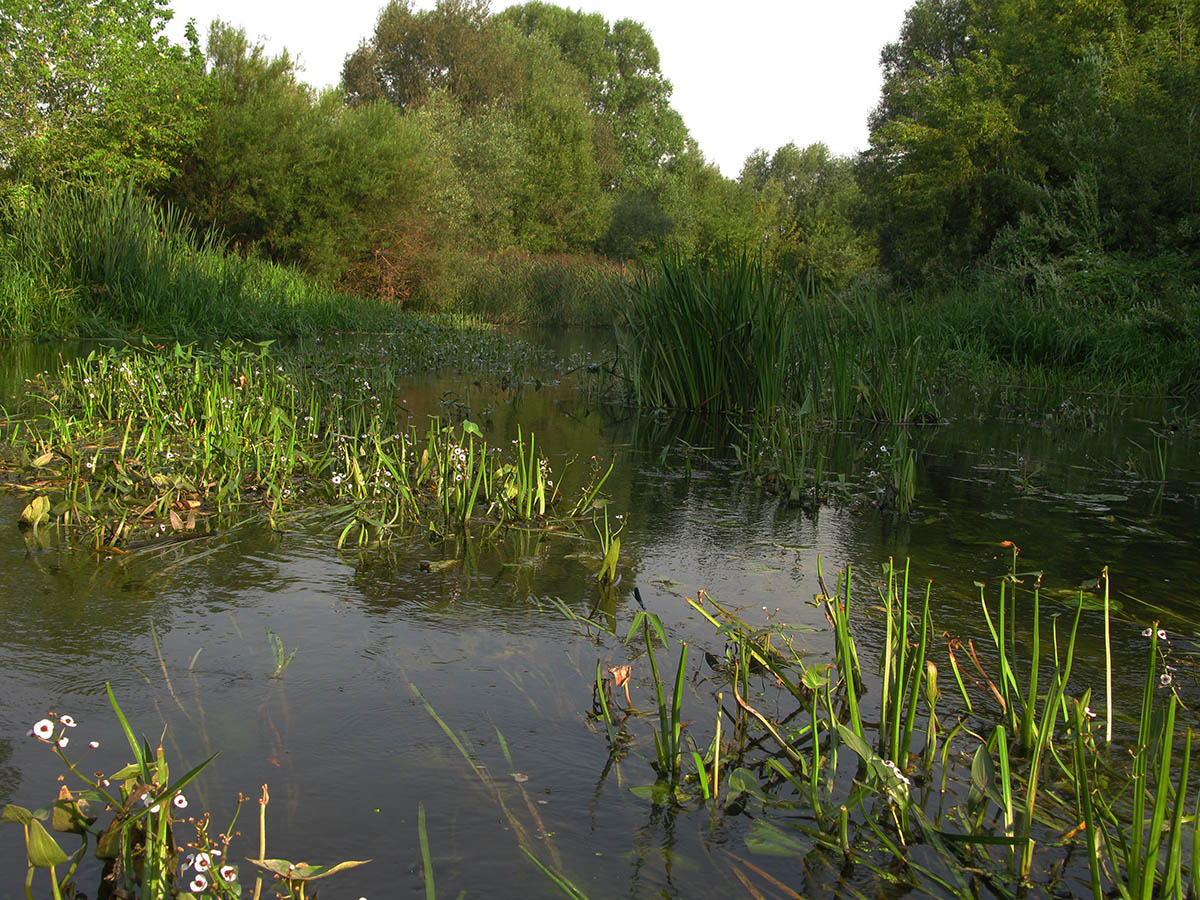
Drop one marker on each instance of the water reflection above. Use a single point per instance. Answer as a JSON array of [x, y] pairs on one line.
[[348, 749]]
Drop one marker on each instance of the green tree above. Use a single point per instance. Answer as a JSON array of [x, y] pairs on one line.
[[93, 89], [711, 215], [511, 115], [455, 47], [808, 206], [626, 87], [560, 205], [1076, 114], [297, 177]]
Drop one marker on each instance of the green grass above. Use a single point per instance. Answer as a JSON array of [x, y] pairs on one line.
[[710, 337], [544, 289], [105, 260]]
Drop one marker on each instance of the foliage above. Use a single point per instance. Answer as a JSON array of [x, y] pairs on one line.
[[808, 210], [1007, 112], [105, 260], [456, 47], [144, 446], [138, 845], [708, 336], [93, 89], [969, 767], [295, 177], [627, 90]]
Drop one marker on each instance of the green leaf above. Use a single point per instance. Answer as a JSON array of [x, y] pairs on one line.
[[37, 512], [43, 850], [659, 793], [303, 871], [470, 427], [815, 677], [70, 815], [742, 779], [14, 813], [133, 770], [143, 761]]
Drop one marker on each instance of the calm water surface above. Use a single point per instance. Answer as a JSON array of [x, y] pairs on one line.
[[349, 751]]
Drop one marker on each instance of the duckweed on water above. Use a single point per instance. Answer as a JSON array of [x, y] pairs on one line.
[[130, 445]]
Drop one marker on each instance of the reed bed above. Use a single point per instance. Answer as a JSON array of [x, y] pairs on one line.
[[132, 446], [708, 337], [939, 765]]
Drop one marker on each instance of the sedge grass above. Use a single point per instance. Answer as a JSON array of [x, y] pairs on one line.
[[709, 337]]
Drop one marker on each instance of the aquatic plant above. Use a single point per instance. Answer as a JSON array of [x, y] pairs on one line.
[[139, 844], [137, 445], [712, 337], [1000, 790]]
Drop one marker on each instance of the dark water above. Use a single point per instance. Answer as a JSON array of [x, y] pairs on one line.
[[349, 751]]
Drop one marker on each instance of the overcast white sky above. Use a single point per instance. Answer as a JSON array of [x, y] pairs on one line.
[[749, 74]]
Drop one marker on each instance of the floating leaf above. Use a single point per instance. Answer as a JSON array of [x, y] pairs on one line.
[[303, 871], [742, 779]]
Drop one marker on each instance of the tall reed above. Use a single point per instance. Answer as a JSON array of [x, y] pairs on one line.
[[708, 336]]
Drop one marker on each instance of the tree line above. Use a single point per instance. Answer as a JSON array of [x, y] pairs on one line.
[[1052, 143]]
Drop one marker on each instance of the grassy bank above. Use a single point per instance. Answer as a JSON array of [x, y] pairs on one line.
[[523, 288], [106, 261]]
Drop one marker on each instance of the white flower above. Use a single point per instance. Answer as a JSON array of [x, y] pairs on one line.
[[203, 862], [199, 883], [1165, 678], [1162, 635], [43, 729], [180, 801], [67, 720], [1148, 632], [93, 744], [228, 873], [63, 741], [188, 860]]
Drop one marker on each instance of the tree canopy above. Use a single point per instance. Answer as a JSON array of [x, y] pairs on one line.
[[996, 113], [93, 89]]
